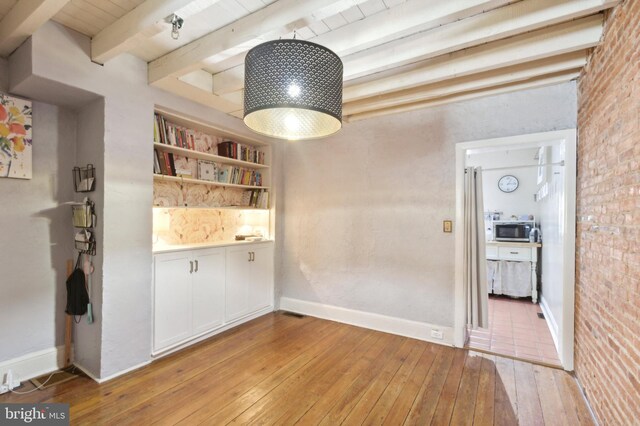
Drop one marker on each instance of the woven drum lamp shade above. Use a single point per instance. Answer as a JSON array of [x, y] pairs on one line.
[[292, 90]]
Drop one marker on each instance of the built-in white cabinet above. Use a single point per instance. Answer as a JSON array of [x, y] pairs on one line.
[[188, 294], [208, 289], [249, 279], [199, 291], [172, 299]]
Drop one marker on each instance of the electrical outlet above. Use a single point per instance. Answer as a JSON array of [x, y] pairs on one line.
[[437, 334], [447, 226]]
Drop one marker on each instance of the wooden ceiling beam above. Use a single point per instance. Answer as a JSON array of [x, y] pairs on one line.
[[197, 94], [399, 21], [494, 25], [269, 21], [517, 73], [132, 28], [559, 39], [23, 20], [536, 83]]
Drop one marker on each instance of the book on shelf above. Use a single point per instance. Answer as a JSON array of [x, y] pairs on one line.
[[256, 198], [207, 170], [239, 151], [172, 165], [164, 163], [156, 162]]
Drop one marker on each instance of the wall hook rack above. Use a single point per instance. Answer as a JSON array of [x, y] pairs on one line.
[[84, 215], [84, 178]]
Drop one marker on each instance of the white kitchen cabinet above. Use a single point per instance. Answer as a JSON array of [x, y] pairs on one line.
[[188, 294], [261, 277], [517, 252], [208, 289], [249, 280], [172, 299], [202, 291]]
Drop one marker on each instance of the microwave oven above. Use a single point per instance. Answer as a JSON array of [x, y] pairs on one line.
[[512, 231]]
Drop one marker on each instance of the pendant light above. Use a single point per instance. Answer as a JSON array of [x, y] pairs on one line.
[[293, 90]]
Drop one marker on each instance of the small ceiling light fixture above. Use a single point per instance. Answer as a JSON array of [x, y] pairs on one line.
[[176, 25], [292, 90]]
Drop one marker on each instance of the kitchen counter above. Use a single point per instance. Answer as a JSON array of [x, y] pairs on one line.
[[168, 248], [517, 251], [513, 244]]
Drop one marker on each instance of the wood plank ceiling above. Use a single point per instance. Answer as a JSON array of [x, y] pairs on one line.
[[398, 55]]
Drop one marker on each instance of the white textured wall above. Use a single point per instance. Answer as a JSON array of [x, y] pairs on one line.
[[54, 65], [4, 75], [36, 238], [90, 149], [362, 211]]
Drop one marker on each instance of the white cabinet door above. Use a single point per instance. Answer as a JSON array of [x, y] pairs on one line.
[[208, 289], [237, 283], [260, 277], [172, 296], [198, 291]]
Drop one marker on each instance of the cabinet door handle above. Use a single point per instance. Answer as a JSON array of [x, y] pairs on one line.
[[191, 263], [249, 260], [253, 256], [196, 270], [514, 252]]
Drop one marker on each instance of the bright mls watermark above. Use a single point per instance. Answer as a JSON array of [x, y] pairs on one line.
[[34, 414]]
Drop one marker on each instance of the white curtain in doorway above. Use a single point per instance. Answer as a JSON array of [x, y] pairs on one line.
[[475, 261]]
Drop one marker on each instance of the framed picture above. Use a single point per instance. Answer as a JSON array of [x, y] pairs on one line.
[[15, 137], [207, 170]]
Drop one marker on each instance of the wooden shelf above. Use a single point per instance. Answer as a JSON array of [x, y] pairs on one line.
[[204, 156], [193, 123], [157, 177]]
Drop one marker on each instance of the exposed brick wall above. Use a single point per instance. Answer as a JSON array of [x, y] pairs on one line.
[[607, 328]]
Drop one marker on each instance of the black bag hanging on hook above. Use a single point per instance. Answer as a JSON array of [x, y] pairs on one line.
[[77, 296]]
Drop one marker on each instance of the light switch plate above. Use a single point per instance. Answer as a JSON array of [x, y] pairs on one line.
[[447, 226]]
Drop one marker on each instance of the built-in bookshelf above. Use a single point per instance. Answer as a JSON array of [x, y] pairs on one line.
[[201, 166]]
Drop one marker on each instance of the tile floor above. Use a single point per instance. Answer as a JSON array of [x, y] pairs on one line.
[[516, 330]]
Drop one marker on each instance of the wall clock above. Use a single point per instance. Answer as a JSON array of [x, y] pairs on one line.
[[508, 183]]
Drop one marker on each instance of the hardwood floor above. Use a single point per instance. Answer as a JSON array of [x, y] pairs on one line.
[[280, 369]]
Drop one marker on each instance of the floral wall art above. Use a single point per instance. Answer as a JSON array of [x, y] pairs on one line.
[[15, 137]]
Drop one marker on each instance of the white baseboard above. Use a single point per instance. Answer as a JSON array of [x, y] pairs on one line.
[[33, 364], [113, 376], [403, 327], [551, 321]]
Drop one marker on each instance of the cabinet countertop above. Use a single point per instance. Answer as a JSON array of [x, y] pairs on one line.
[[168, 248], [513, 244]]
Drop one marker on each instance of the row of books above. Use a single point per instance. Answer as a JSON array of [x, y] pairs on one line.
[[164, 163], [239, 176], [239, 151], [168, 133], [258, 198]]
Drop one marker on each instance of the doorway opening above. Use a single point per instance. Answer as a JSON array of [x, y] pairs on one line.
[[528, 196]]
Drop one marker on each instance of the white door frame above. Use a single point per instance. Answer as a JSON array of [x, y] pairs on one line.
[[563, 137]]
